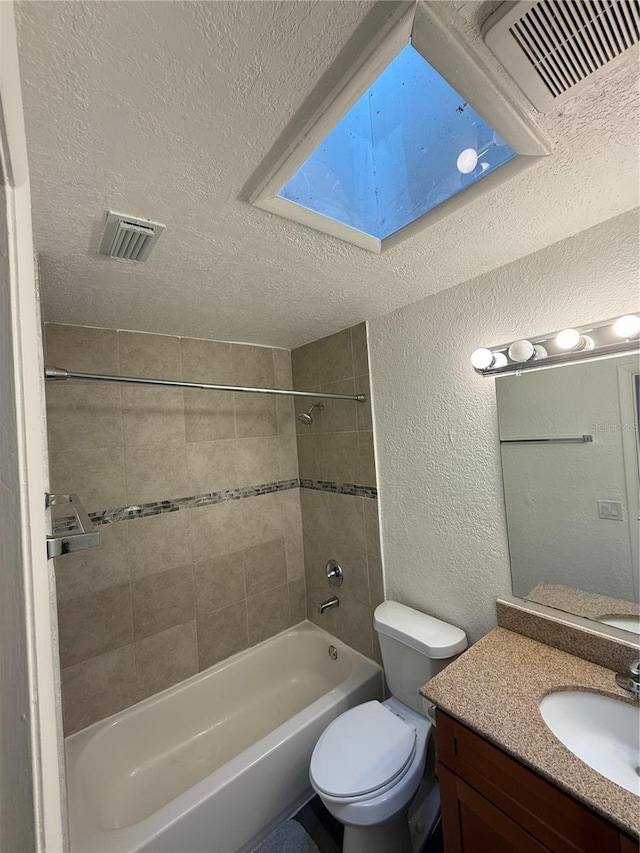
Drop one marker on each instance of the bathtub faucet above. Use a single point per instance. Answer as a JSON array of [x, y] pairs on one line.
[[328, 604]]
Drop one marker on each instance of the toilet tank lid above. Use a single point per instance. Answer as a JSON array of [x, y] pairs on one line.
[[425, 634]]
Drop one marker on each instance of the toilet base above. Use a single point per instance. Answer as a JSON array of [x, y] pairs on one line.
[[393, 836]]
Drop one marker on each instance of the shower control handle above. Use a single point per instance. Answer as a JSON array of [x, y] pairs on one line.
[[335, 575]]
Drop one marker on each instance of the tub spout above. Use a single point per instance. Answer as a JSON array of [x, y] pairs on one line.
[[328, 604]]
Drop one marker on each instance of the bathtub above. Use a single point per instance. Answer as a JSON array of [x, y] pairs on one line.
[[211, 764]]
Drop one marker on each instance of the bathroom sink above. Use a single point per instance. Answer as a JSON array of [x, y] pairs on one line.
[[629, 623], [601, 731]]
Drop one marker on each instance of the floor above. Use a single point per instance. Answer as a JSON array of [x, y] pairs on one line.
[[326, 833]]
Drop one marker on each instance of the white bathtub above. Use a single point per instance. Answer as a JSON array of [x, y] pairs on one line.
[[209, 765]]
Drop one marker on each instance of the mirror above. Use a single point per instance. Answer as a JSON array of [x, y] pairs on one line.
[[570, 462]]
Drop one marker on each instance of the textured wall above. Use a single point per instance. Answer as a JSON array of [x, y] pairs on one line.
[[337, 449], [442, 510], [170, 594]]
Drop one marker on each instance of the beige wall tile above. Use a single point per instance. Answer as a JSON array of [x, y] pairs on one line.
[[258, 460], [354, 626], [158, 543], [340, 415], [363, 410], [286, 416], [371, 525], [309, 457], [83, 416], [93, 624], [265, 566], [268, 613], [222, 634], [156, 472], [283, 375], [82, 348], [96, 476], [376, 582], [345, 519], [294, 551], [150, 356], [98, 688], [209, 415], [305, 367], [212, 466], [367, 459], [297, 601], [218, 529], [253, 366], [97, 568], [315, 521], [288, 456], [152, 415], [166, 658], [335, 359], [206, 361], [218, 583], [162, 600], [360, 349], [255, 415], [290, 512], [263, 519], [339, 457]]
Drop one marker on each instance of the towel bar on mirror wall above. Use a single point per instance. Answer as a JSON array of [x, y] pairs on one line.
[[85, 537], [551, 439]]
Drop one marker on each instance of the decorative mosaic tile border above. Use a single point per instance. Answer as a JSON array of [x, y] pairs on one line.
[[127, 513], [341, 488]]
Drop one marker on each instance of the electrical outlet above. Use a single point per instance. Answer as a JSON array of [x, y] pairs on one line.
[[610, 510]]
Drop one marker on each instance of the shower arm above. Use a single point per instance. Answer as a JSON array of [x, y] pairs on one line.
[[59, 373]]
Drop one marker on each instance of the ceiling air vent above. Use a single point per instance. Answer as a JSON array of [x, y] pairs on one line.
[[553, 48], [127, 238]]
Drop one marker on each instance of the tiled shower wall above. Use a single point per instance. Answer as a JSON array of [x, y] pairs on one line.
[[170, 594], [335, 455]]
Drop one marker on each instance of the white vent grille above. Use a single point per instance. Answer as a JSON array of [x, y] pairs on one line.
[[128, 239], [551, 47]]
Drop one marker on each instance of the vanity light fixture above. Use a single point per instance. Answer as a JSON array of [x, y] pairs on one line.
[[627, 327], [605, 338]]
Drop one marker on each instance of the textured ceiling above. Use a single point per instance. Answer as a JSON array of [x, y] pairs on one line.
[[167, 110]]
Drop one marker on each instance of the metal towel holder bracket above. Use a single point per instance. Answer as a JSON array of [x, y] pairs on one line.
[[86, 537]]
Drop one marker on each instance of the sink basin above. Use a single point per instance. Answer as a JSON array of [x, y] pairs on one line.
[[629, 623], [601, 731]]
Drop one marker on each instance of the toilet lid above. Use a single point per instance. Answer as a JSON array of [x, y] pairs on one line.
[[361, 751]]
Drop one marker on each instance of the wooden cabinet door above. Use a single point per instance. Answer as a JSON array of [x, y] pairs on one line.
[[628, 845], [471, 824]]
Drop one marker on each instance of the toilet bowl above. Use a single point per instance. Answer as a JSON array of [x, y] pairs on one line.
[[370, 762]]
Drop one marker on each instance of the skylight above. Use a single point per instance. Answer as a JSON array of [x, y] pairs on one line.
[[407, 145]]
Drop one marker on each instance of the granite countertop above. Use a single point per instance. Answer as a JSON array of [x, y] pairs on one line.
[[495, 688], [581, 603]]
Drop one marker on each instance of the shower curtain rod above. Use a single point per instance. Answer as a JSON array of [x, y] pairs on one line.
[[61, 373]]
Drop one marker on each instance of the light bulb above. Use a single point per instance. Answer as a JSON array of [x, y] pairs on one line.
[[521, 350], [568, 339], [482, 358], [499, 360], [627, 326], [539, 352], [467, 161]]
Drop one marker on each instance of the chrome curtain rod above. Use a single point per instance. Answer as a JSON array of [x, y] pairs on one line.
[[60, 373]]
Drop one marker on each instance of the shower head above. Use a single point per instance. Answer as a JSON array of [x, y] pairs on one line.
[[305, 418]]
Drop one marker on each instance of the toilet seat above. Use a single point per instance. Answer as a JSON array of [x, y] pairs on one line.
[[362, 754]]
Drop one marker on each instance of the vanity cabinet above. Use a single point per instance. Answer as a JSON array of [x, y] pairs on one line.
[[493, 804]]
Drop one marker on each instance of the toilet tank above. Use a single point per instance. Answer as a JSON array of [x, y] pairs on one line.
[[414, 647]]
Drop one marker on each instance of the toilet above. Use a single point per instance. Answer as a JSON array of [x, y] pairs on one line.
[[368, 766]]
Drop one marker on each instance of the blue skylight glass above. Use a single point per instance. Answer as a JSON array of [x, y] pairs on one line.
[[408, 144]]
